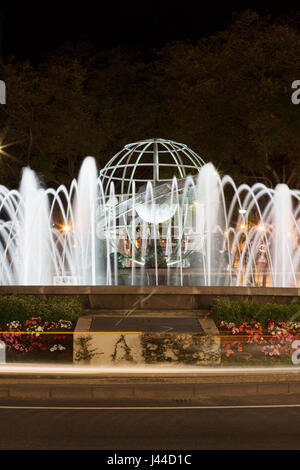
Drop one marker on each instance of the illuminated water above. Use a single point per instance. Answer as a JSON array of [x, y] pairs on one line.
[[196, 231]]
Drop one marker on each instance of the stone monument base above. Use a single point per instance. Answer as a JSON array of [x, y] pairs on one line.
[[135, 340]]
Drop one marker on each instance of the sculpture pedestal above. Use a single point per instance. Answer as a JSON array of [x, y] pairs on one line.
[[139, 340]]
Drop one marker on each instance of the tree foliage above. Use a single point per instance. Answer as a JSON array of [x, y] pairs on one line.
[[230, 98], [227, 96]]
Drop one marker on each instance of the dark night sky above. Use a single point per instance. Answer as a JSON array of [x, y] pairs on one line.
[[32, 29]]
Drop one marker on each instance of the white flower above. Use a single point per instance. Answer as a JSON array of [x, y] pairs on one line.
[[14, 324], [65, 324], [294, 325], [35, 329], [38, 328], [277, 330], [57, 347]]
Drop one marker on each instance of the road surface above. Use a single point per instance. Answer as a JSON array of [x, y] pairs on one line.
[[268, 425]]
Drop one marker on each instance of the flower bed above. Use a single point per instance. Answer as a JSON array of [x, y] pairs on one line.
[[251, 340], [256, 332], [38, 337]]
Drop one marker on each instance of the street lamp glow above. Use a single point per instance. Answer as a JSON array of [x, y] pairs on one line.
[[66, 228]]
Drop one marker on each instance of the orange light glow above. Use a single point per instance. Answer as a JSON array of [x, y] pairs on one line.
[[66, 228]]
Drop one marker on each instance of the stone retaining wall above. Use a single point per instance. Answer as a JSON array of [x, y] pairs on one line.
[[156, 297]]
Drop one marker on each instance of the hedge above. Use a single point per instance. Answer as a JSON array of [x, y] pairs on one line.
[[241, 311], [25, 307]]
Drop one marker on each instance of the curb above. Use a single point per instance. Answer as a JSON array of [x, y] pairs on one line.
[[185, 388]]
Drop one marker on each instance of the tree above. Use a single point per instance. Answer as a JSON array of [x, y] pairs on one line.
[[67, 108], [128, 105], [229, 98], [50, 118]]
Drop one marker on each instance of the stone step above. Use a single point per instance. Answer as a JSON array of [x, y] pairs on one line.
[[148, 313]]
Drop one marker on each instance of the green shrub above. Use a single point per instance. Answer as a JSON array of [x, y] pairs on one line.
[[52, 309], [241, 311]]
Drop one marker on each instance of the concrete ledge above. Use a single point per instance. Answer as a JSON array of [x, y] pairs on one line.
[[155, 298], [150, 388], [168, 290]]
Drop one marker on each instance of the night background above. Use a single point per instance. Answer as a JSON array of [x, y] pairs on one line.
[[141, 307], [86, 80]]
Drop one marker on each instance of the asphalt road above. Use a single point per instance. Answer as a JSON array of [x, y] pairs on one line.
[[161, 427]]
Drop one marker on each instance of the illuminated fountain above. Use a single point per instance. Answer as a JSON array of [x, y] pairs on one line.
[[156, 214]]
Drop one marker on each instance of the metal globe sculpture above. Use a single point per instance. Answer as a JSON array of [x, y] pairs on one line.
[[153, 160], [148, 206]]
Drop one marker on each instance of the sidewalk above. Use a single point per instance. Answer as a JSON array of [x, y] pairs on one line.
[[26, 382]]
